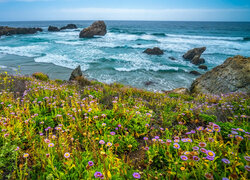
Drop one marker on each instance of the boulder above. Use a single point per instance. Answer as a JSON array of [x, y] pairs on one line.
[[197, 60], [53, 29], [69, 26], [77, 72], [148, 83], [172, 58], [194, 52], [178, 91], [204, 67], [97, 28], [7, 31], [154, 51], [232, 76], [196, 73]]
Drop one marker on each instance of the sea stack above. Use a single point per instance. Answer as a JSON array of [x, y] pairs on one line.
[[97, 28], [194, 55], [232, 76]]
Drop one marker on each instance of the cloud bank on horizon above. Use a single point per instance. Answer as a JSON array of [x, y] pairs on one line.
[[164, 10]]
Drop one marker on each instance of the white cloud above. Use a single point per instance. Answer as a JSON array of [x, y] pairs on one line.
[[153, 14]]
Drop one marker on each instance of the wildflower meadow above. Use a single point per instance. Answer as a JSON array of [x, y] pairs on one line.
[[53, 129]]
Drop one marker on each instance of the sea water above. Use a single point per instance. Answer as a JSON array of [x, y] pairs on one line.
[[118, 56]]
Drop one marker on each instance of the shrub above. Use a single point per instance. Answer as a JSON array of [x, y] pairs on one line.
[[40, 76]]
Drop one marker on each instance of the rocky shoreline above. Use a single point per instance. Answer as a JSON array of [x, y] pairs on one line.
[[231, 76]]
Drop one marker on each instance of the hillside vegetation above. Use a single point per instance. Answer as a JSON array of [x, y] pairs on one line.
[[89, 130]]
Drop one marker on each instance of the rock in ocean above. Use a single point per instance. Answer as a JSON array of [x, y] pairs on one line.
[[154, 51], [7, 31], [97, 28], [232, 76], [53, 29], [69, 26], [194, 52]]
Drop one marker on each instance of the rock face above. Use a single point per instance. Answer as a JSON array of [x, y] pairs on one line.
[[7, 31], [97, 28], [53, 29], [154, 51], [77, 72], [203, 67], [69, 26], [232, 76], [196, 73]]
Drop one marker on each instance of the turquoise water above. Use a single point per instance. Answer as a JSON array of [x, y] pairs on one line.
[[118, 57]]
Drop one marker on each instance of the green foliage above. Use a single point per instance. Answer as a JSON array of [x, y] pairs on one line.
[[207, 118], [41, 76], [122, 130]]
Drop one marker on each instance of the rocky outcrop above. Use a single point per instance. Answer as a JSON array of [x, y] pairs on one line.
[[196, 73], [154, 51], [97, 28], [232, 76], [194, 55], [77, 72], [53, 29], [204, 67], [7, 31], [69, 26]]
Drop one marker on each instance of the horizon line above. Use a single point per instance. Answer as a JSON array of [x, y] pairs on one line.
[[125, 20]]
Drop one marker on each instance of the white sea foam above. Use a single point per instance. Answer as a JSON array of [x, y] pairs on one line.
[[61, 60], [28, 51], [69, 42]]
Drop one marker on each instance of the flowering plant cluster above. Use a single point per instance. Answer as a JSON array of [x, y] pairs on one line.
[[55, 130]]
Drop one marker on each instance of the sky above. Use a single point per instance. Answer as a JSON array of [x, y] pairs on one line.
[[156, 10]]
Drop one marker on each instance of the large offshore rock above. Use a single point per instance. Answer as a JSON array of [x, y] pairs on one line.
[[97, 28], [232, 76], [53, 29], [7, 31]]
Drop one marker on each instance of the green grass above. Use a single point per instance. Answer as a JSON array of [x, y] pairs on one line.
[[140, 128]]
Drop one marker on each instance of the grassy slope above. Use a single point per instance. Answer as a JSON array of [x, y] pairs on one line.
[[75, 117]]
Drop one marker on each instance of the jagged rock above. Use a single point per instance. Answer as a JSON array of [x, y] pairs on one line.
[[197, 60], [172, 58], [203, 67], [97, 28], [178, 91], [77, 72], [232, 76], [7, 31], [196, 73], [154, 51], [69, 26], [53, 29], [194, 52]]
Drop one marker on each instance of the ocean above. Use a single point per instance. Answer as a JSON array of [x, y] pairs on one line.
[[117, 57]]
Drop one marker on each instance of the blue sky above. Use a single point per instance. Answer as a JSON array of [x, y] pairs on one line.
[[180, 10]]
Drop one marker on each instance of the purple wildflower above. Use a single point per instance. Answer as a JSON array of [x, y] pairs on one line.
[[226, 161], [90, 163], [136, 175], [184, 158], [176, 146]]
